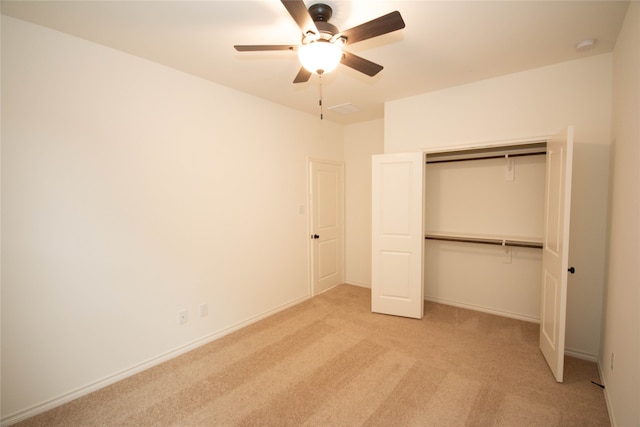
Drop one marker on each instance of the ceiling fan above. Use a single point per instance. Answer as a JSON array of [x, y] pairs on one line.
[[322, 42]]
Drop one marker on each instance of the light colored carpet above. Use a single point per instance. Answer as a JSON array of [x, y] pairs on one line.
[[331, 362]]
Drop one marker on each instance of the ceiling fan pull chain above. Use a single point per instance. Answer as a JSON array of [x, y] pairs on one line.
[[320, 101]]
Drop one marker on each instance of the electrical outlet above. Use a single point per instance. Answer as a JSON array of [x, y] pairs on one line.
[[612, 358], [204, 310], [182, 317]]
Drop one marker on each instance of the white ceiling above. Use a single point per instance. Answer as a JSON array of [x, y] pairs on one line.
[[445, 43]]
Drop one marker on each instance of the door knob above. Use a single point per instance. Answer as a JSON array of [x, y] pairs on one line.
[[572, 270], [315, 236]]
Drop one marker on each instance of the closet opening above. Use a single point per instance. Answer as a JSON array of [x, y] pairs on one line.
[[483, 228]]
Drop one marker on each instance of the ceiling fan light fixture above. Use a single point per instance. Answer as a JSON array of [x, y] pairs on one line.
[[320, 56]]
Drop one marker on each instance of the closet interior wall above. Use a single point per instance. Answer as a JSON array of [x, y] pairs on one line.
[[491, 195]]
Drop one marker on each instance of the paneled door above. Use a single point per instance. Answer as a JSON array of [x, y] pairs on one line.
[[555, 254], [327, 225], [397, 234]]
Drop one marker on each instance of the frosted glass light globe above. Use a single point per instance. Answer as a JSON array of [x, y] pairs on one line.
[[320, 56]]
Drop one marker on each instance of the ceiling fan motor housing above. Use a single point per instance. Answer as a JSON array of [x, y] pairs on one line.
[[321, 13], [327, 31]]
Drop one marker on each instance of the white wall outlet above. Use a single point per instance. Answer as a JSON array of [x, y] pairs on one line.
[[182, 317], [204, 310]]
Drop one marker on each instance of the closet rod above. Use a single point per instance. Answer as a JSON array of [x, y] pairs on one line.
[[464, 159], [498, 242]]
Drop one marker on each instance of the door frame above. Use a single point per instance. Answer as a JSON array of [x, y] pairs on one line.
[[310, 224]]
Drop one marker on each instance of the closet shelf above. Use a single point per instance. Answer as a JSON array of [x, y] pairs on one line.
[[522, 243], [534, 149]]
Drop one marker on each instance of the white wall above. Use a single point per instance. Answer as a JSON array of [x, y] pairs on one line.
[[534, 103], [361, 141], [621, 325], [131, 191]]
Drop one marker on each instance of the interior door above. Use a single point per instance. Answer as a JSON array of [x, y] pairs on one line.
[[397, 234], [555, 255], [327, 225]]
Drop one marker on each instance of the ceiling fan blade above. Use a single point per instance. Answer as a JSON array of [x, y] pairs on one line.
[[303, 75], [360, 64], [385, 24], [260, 47], [300, 14]]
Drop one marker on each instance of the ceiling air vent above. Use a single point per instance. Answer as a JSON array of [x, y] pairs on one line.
[[344, 108]]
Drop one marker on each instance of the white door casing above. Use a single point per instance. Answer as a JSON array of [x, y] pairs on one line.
[[397, 234], [555, 254], [326, 189]]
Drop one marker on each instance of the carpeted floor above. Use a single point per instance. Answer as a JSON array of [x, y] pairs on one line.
[[331, 362]]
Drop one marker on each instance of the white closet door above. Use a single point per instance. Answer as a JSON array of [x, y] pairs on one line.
[[397, 234], [555, 255]]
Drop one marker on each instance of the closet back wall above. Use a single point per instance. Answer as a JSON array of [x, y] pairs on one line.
[[534, 103], [474, 198]]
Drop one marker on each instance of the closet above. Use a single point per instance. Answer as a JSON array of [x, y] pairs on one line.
[[483, 229], [466, 213]]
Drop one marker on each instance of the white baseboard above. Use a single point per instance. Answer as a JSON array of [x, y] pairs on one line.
[[606, 395], [518, 316], [581, 355], [359, 284], [111, 379]]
